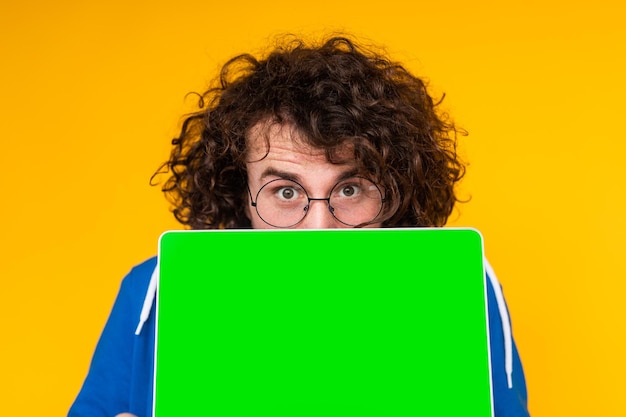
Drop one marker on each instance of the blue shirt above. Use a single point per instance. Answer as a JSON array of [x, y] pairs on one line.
[[120, 378]]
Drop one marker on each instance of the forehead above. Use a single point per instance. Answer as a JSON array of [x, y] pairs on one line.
[[286, 142]]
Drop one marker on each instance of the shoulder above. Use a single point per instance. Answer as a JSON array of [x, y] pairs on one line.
[[138, 278], [142, 270], [132, 292]]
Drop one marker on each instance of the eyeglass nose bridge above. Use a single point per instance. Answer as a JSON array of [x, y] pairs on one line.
[[308, 204]]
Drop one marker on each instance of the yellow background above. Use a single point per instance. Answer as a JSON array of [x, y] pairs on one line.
[[93, 91]]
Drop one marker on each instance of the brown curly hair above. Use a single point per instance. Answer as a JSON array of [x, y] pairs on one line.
[[333, 93]]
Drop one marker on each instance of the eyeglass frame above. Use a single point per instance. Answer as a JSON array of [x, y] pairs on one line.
[[383, 200]]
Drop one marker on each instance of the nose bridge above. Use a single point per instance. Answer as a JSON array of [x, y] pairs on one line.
[[318, 215]]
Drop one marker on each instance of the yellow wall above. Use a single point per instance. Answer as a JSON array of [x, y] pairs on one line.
[[92, 92]]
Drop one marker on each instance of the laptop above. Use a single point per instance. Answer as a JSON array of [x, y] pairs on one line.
[[325, 323]]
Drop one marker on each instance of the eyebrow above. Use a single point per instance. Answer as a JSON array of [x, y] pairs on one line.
[[273, 172]]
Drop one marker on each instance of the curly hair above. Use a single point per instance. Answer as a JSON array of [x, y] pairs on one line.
[[333, 93]]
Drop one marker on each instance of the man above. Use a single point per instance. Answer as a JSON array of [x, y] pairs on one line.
[[321, 136]]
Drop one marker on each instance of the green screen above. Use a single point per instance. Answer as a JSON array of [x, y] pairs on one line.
[[360, 322]]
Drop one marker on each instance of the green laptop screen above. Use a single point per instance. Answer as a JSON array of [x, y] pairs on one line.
[[358, 322]]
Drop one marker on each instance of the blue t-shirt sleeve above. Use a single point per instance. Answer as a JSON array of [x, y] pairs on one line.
[[108, 385], [508, 402]]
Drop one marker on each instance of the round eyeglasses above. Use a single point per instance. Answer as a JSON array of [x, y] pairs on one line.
[[285, 203]]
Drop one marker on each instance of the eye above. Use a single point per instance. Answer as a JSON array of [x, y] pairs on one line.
[[349, 190], [287, 193]]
